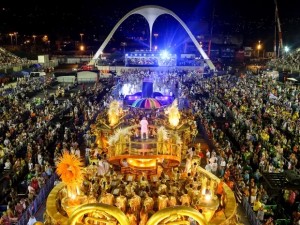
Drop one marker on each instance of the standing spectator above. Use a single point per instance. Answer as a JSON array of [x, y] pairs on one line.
[[7, 165], [5, 219], [214, 167], [87, 155], [208, 167], [48, 169], [261, 214], [222, 167], [269, 221], [40, 158], [207, 155], [220, 189], [77, 152], [257, 205]]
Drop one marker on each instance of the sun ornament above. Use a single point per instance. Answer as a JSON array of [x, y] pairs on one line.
[[70, 170]]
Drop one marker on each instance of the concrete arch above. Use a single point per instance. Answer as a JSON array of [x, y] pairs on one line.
[[151, 13]]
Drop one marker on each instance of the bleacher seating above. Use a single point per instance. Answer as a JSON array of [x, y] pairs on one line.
[[8, 59]]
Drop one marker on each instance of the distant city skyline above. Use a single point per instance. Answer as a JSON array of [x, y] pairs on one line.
[[59, 19]]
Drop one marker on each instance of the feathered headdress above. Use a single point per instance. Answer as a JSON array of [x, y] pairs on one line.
[[114, 112], [162, 133], [118, 133]]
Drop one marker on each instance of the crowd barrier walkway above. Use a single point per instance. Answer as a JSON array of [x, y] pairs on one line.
[[38, 201], [250, 213]]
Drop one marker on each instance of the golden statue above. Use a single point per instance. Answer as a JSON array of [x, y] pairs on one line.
[[107, 198], [148, 203], [143, 183], [172, 201], [162, 202], [135, 203], [121, 202], [185, 200], [143, 216], [132, 217], [162, 137]]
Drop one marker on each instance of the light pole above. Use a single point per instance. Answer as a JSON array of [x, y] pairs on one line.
[[11, 39], [258, 48], [123, 44], [34, 37], [49, 45], [81, 37], [16, 34], [156, 36]]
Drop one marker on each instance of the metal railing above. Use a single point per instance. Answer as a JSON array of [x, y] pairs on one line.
[[251, 215], [73, 79], [34, 207]]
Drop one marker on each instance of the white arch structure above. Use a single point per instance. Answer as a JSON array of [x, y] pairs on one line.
[[151, 13]]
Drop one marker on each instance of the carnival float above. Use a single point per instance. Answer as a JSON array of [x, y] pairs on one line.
[[149, 181]]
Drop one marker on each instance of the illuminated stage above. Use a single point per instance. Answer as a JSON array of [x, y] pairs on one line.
[[149, 97]]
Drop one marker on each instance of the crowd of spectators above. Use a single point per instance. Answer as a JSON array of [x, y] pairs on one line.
[[34, 133], [288, 62], [259, 133], [157, 61], [140, 61], [8, 59]]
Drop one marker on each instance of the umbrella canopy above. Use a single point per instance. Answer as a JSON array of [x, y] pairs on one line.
[[146, 103], [36, 65], [292, 79]]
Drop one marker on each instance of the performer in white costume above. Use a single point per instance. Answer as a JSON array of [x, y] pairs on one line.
[[144, 127]]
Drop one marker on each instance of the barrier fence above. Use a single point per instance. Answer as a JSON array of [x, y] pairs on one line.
[[38, 201], [251, 215], [73, 79]]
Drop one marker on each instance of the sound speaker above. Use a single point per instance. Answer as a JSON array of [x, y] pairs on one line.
[[147, 90]]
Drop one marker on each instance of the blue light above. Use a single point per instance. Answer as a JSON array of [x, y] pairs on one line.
[[165, 55]]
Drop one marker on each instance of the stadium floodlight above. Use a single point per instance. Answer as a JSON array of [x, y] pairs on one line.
[[165, 54], [286, 49]]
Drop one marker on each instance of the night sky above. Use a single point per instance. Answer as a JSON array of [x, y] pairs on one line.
[[97, 17]]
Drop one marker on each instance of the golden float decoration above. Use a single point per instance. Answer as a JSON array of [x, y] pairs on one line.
[[146, 161]]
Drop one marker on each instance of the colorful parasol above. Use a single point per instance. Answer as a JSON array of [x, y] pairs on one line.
[[146, 103]]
